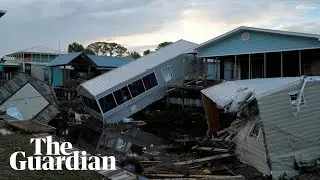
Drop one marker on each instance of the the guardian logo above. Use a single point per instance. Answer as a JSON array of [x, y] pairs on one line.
[[77, 160]]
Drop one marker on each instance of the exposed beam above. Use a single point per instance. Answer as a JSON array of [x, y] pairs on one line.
[[264, 65], [300, 64], [235, 68], [249, 76], [281, 59]]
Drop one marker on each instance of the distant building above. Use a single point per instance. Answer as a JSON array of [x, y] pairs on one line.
[[34, 60], [249, 52], [68, 71]]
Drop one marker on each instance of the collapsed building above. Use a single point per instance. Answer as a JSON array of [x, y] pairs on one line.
[[24, 97], [128, 89], [274, 121]]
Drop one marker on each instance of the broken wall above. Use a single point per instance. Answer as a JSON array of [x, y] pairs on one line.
[[250, 147], [290, 137]]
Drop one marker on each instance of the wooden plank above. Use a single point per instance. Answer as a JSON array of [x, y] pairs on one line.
[[219, 150], [220, 156]]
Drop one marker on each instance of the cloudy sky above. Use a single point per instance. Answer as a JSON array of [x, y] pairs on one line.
[[141, 24]]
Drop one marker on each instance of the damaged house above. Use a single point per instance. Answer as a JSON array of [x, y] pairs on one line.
[[275, 121], [24, 98], [128, 89]]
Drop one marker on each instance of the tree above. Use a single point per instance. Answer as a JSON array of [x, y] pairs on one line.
[[146, 52], [107, 49], [134, 55], [75, 47], [163, 44]]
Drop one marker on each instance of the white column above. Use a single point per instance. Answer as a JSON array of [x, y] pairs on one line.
[[300, 64], [281, 64], [264, 65]]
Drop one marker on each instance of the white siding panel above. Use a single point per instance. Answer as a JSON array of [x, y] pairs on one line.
[[288, 135], [251, 150]]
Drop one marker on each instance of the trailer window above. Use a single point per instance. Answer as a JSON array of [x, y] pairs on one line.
[[107, 103], [91, 103], [136, 88], [150, 81], [122, 95]]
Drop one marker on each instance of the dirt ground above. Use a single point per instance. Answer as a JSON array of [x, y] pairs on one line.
[[21, 142]]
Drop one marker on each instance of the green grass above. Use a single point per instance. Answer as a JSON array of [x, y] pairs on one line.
[[21, 142]]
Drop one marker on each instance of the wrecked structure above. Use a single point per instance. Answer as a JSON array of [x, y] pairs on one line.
[[274, 121], [128, 89], [26, 98]]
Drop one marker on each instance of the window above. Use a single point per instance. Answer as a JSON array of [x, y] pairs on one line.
[[167, 74], [293, 99], [150, 81], [122, 95], [136, 88], [46, 75], [255, 130], [91, 103], [107, 103]]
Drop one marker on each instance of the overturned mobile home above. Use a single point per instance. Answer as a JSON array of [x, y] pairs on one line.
[[128, 89], [275, 121], [27, 98]]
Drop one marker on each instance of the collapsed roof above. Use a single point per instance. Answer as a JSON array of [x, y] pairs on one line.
[[27, 98], [230, 95]]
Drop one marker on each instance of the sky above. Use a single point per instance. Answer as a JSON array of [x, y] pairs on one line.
[[142, 24]]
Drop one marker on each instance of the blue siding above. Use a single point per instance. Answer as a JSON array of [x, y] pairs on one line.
[[57, 77], [212, 71], [259, 42]]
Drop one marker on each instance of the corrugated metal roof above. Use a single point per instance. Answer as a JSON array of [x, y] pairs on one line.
[[40, 50], [112, 78], [102, 61], [109, 61], [224, 93], [64, 59]]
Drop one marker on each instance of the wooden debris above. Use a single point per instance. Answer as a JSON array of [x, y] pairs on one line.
[[213, 177], [218, 150], [201, 160]]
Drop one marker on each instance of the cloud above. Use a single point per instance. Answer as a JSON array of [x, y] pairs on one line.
[[144, 23]]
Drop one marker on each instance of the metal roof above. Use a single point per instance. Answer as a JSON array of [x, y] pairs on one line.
[[101, 61], [225, 92], [64, 59], [110, 61], [241, 28], [112, 78], [40, 50]]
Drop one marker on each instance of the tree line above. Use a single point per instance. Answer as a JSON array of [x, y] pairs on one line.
[[111, 49]]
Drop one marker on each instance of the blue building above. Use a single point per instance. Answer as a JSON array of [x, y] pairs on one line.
[[70, 70], [247, 52]]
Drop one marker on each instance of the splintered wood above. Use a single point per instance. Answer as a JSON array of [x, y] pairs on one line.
[[203, 160]]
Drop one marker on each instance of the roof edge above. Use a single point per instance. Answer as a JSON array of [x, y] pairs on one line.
[[290, 33]]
